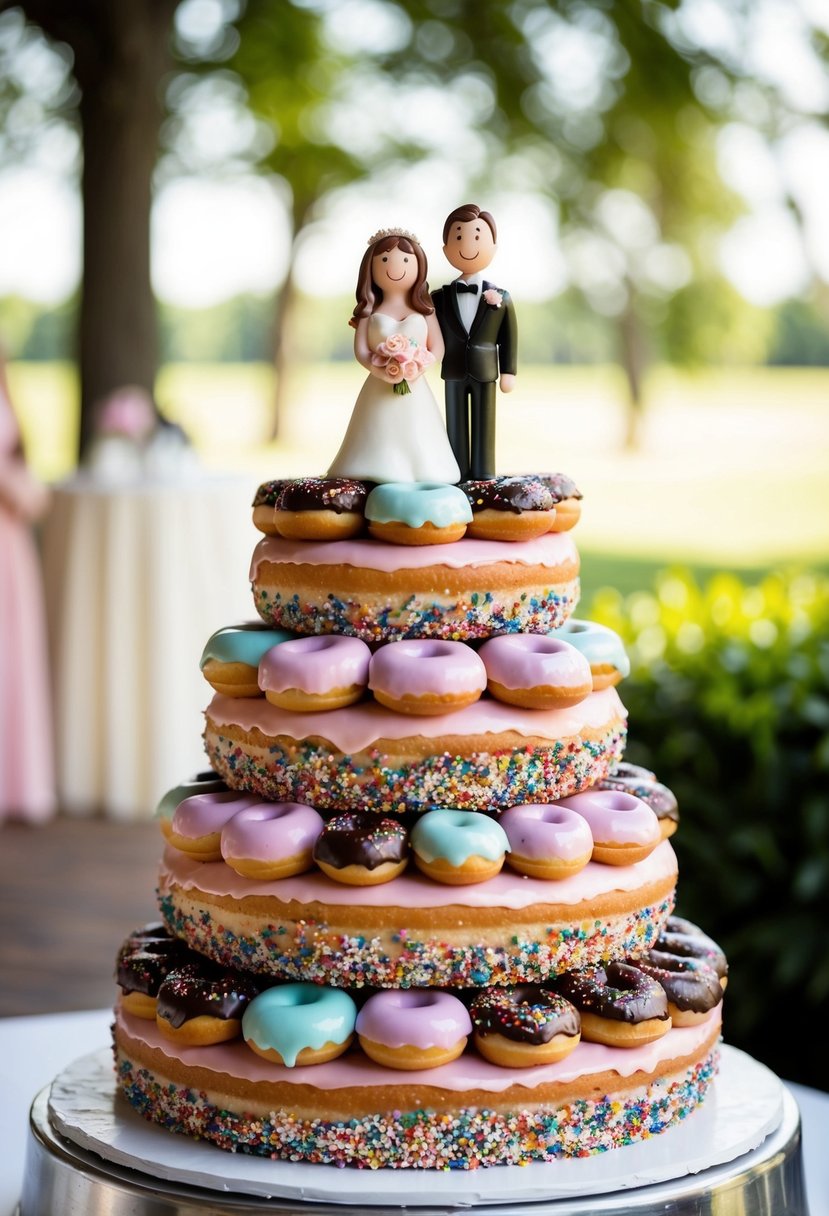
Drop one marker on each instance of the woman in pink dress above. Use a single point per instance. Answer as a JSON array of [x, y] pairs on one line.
[[26, 749]]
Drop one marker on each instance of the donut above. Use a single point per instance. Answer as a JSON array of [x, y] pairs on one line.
[[642, 783], [683, 939], [201, 1003], [692, 987], [300, 1024], [509, 508], [362, 850], [458, 847], [264, 503], [206, 782], [230, 659], [197, 823], [321, 508], [566, 499], [535, 672], [546, 841], [413, 1028], [417, 513], [271, 840], [525, 1026], [145, 959], [426, 677], [308, 675], [602, 647], [625, 829], [620, 1006]]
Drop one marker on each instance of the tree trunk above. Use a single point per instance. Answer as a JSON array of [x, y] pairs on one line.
[[282, 354], [634, 363]]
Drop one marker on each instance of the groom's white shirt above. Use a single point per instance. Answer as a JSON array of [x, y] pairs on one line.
[[468, 301]]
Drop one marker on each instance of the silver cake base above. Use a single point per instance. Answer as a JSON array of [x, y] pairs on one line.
[[63, 1177]]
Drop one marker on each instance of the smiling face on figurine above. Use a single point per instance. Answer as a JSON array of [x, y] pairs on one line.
[[395, 269], [470, 245]]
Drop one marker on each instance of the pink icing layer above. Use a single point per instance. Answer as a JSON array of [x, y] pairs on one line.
[[615, 816], [414, 1017], [271, 831], [204, 814], [547, 830], [412, 890], [469, 1071], [359, 726], [551, 550], [314, 665], [426, 667], [530, 660]]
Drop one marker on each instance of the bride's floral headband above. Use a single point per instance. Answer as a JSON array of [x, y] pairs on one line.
[[382, 233]]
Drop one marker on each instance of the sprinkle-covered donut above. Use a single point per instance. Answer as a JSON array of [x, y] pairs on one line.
[[692, 987], [509, 508], [417, 513], [525, 1026], [682, 938], [321, 508], [535, 671], [197, 823], [230, 659], [602, 648], [566, 499], [201, 1003], [307, 675], [362, 850], [426, 677], [206, 782], [145, 959], [625, 829], [300, 1024], [620, 1006], [633, 779], [546, 840], [458, 847], [413, 1028], [271, 840], [264, 504]]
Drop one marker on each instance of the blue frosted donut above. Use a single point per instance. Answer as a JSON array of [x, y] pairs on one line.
[[458, 847], [300, 1024], [602, 647], [417, 513], [230, 659]]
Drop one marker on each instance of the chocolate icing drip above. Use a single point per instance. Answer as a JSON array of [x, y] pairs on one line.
[[361, 840], [632, 779], [618, 991], [337, 494], [204, 989], [514, 494], [524, 1014], [560, 486], [147, 957], [268, 492], [689, 983], [681, 937]]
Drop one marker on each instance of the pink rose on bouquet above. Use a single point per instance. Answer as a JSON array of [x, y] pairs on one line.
[[402, 359], [493, 298]]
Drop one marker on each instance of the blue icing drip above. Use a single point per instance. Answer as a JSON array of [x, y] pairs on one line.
[[243, 643], [416, 503], [294, 1016], [597, 643], [455, 836]]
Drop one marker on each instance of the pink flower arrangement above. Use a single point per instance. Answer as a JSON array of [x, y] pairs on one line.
[[494, 298], [402, 359]]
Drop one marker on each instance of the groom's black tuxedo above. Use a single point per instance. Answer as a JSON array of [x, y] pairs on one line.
[[471, 365]]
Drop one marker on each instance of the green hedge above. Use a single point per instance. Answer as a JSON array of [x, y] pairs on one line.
[[729, 704]]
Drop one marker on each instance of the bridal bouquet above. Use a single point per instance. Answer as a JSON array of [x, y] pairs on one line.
[[402, 359]]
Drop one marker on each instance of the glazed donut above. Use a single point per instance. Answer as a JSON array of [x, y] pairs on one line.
[[642, 783], [509, 508], [145, 959], [546, 840], [566, 499], [683, 939], [271, 840], [320, 508], [309, 675], [458, 847], [300, 1024], [426, 677], [601, 647], [200, 1003], [264, 504], [197, 824], [206, 782], [692, 987], [230, 659], [620, 1006], [417, 513], [362, 850], [535, 671], [525, 1026], [413, 1028], [625, 829]]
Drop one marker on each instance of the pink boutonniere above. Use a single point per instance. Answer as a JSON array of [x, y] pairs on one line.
[[493, 298]]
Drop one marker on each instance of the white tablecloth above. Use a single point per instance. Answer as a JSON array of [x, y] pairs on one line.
[[137, 577]]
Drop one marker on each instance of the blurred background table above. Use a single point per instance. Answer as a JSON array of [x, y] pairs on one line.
[[137, 576]]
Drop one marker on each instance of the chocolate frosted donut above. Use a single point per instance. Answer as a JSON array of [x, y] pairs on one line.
[[525, 1026], [566, 499], [642, 783], [264, 502], [321, 508], [692, 987], [685, 940], [361, 850], [201, 1003], [145, 959], [509, 508], [620, 1005]]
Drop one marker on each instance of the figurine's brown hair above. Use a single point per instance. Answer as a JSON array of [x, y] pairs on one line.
[[370, 296], [463, 215]]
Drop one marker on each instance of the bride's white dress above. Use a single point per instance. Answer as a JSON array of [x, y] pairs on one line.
[[394, 437]]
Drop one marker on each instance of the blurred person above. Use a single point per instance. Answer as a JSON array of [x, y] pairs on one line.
[[27, 789]]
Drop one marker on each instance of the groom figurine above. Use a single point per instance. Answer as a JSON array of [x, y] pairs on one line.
[[477, 320]]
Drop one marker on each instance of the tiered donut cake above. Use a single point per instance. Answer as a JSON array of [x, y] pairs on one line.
[[418, 913]]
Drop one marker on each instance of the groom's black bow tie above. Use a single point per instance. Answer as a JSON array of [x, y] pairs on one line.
[[473, 287]]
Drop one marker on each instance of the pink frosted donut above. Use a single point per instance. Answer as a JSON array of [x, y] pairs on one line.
[[197, 823], [625, 829], [535, 671], [547, 840], [426, 676], [412, 1028], [307, 675], [272, 840]]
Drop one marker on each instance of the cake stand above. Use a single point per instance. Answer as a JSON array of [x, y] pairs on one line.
[[89, 1154]]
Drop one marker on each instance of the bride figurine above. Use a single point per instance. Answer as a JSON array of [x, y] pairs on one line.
[[396, 432]]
